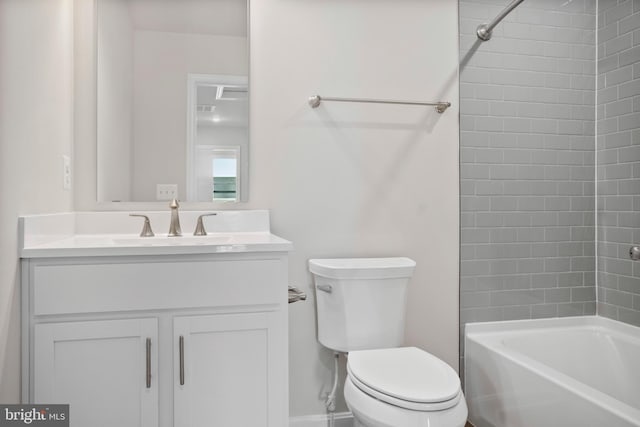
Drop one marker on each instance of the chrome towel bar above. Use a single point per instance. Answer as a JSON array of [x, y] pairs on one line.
[[316, 100]]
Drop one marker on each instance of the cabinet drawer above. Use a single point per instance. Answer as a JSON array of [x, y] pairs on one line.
[[99, 287]]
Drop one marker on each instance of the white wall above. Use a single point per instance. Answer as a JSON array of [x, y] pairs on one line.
[[115, 92], [36, 81], [356, 179]]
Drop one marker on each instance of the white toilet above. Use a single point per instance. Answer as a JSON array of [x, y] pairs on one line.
[[361, 308]]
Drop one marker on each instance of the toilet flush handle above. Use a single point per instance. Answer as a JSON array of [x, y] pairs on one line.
[[324, 288]]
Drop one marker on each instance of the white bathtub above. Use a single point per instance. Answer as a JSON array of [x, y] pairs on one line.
[[579, 371]]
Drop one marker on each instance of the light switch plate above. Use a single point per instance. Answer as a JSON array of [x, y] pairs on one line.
[[166, 191], [66, 172]]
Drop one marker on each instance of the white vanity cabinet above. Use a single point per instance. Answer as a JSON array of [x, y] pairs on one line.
[[97, 365], [223, 370], [158, 340]]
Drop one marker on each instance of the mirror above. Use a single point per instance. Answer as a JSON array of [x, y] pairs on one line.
[[173, 100]]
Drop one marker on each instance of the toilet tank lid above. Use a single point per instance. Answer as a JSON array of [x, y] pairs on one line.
[[363, 268]]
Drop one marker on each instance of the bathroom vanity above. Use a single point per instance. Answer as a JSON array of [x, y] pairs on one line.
[[133, 331]]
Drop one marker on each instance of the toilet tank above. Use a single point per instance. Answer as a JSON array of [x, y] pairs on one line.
[[361, 301]]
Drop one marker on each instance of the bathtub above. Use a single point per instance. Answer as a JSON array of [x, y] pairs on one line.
[[578, 371]]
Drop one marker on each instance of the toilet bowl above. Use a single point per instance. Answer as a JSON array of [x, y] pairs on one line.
[[361, 311], [403, 387]]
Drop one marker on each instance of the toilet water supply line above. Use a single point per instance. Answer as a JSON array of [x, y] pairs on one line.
[[331, 398]]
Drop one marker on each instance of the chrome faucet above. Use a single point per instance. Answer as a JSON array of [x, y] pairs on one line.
[[174, 227], [146, 228]]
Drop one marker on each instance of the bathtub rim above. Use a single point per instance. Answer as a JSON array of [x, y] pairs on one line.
[[488, 335]]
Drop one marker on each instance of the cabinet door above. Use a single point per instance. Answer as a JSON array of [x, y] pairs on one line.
[[105, 370], [228, 371]]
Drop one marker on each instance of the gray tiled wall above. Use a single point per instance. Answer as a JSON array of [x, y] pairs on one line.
[[618, 142], [527, 161]]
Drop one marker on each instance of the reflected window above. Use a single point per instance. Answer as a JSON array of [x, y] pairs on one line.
[[225, 175]]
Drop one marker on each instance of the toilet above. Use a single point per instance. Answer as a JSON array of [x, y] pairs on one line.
[[361, 311]]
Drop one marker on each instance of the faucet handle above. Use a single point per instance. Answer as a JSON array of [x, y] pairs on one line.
[[146, 228], [200, 231]]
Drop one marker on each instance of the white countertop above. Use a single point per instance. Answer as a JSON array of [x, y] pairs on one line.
[[84, 235]]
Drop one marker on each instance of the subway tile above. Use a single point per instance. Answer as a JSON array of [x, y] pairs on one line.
[[616, 140], [487, 188], [503, 266], [615, 109], [629, 56], [503, 171], [474, 107], [629, 89], [473, 268], [531, 265], [490, 124], [618, 12], [552, 128], [618, 298], [502, 140], [570, 279], [629, 187], [630, 154], [517, 219], [618, 44], [629, 316], [557, 203], [570, 249], [532, 141], [542, 311], [475, 299], [582, 173], [629, 121], [570, 309], [557, 295], [516, 312], [504, 204], [517, 125], [619, 75], [571, 218], [473, 203], [517, 297], [629, 219], [488, 219], [474, 75], [489, 92], [582, 264], [544, 281], [629, 284], [504, 235], [474, 172], [629, 23], [559, 173], [558, 50], [544, 126], [533, 235], [467, 123]]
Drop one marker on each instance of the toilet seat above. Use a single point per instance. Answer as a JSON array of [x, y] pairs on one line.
[[406, 377]]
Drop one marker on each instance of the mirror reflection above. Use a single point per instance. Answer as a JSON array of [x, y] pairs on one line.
[[173, 111]]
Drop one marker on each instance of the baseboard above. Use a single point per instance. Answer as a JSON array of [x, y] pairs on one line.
[[342, 419]]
